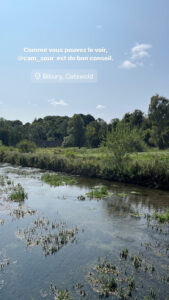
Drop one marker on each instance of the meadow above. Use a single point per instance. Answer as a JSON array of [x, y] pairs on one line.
[[150, 168]]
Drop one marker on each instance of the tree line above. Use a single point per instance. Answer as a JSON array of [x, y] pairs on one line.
[[84, 130]]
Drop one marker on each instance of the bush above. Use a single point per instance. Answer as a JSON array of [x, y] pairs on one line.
[[68, 141], [122, 141], [26, 146]]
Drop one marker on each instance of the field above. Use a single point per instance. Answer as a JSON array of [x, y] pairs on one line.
[[99, 153]]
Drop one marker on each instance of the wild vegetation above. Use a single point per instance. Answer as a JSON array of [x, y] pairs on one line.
[[132, 150], [18, 194], [56, 180], [99, 193], [50, 236], [163, 217], [147, 169], [150, 130]]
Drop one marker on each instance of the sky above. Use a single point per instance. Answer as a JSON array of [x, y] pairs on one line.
[[135, 33]]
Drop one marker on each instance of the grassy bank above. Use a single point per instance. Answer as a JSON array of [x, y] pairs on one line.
[[147, 169]]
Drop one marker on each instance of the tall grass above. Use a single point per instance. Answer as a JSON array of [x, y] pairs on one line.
[[152, 173]]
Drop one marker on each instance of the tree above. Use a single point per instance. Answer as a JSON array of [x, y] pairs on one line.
[[124, 140], [137, 118], [114, 123], [159, 117], [77, 130], [92, 139]]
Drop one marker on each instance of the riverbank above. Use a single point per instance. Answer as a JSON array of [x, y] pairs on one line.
[[150, 169]]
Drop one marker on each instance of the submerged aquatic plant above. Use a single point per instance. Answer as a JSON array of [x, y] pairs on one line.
[[57, 180], [122, 195], [18, 194], [163, 217], [62, 295], [131, 282], [59, 294], [99, 193], [21, 211], [106, 267], [51, 236], [110, 283], [81, 197], [136, 261], [1, 221], [124, 253]]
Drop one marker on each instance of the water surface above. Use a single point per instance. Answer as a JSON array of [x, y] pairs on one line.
[[104, 228]]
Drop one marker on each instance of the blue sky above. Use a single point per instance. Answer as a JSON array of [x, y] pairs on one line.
[[136, 34]]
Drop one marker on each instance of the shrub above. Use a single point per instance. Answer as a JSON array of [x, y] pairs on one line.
[[122, 141], [68, 141], [26, 146]]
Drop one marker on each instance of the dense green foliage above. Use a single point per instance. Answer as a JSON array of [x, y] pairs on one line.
[[118, 145], [147, 168], [123, 140], [26, 146], [84, 130]]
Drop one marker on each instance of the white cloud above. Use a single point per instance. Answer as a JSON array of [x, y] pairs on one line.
[[59, 102], [100, 106], [139, 51], [127, 64], [1, 102]]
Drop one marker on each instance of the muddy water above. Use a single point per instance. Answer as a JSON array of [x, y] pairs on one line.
[[104, 227]]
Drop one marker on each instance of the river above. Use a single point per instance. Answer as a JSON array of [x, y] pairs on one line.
[[97, 231]]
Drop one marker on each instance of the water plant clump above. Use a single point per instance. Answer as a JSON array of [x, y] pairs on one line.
[[22, 211], [62, 295], [81, 197], [104, 285], [137, 261], [2, 221], [106, 267], [110, 283], [122, 195], [4, 262], [59, 294], [99, 193], [123, 279], [2, 180], [124, 253], [50, 236], [163, 217], [57, 180], [131, 282], [18, 194]]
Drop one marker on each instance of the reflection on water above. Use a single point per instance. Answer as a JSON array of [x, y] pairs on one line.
[[104, 227]]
